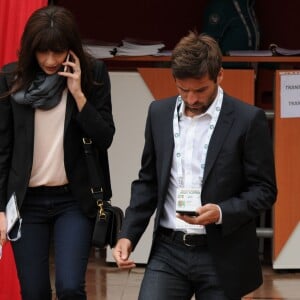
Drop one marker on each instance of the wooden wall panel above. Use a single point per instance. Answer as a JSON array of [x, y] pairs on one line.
[[237, 83], [287, 159]]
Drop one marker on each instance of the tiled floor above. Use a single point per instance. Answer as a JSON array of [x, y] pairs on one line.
[[106, 282]]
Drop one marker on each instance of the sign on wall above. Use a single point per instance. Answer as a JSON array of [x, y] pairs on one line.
[[290, 95]]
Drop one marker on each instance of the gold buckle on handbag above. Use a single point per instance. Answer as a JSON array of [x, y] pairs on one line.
[[101, 214]]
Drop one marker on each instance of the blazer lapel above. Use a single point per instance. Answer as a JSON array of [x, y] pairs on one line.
[[223, 125], [69, 110], [24, 120], [166, 142], [168, 147]]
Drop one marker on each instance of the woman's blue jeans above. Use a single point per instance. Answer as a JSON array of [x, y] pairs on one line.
[[53, 220]]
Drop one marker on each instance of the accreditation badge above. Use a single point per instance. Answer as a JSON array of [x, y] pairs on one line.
[[188, 199]]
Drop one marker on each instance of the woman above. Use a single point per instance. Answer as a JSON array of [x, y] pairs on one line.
[[55, 95]]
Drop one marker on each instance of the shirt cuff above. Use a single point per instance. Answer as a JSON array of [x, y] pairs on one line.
[[220, 219]]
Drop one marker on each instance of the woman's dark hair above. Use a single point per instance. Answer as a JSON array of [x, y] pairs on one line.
[[49, 28]]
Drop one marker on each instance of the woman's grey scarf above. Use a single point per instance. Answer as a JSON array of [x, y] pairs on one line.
[[44, 92]]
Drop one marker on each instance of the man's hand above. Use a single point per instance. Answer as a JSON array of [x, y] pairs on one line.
[[208, 214], [121, 254]]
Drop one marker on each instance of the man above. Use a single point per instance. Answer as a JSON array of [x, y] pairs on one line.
[[208, 171]]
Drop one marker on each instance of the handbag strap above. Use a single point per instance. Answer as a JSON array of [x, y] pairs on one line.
[[96, 189]]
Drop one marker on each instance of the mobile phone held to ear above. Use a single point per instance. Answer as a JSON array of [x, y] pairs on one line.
[[188, 213], [66, 68]]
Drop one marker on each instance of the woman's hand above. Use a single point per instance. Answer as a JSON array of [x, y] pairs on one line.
[[73, 75]]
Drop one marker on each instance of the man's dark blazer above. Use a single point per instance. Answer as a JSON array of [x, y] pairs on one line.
[[17, 135], [239, 176]]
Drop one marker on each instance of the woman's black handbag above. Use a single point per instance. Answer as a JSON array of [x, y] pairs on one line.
[[109, 218], [108, 225]]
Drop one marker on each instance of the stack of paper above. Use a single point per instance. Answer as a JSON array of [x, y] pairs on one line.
[[250, 53], [101, 50], [131, 47]]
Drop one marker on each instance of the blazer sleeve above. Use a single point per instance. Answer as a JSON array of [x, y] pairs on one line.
[[96, 119], [257, 183], [6, 140]]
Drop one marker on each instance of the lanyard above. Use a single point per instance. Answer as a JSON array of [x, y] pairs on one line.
[[176, 134]]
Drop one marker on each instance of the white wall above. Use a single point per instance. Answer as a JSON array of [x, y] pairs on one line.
[[130, 100]]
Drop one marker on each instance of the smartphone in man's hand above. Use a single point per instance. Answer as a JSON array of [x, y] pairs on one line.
[[188, 213]]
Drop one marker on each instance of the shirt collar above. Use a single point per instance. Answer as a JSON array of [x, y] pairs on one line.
[[209, 111]]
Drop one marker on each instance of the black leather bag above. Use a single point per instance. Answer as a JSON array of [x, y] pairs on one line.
[[109, 218], [107, 225]]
